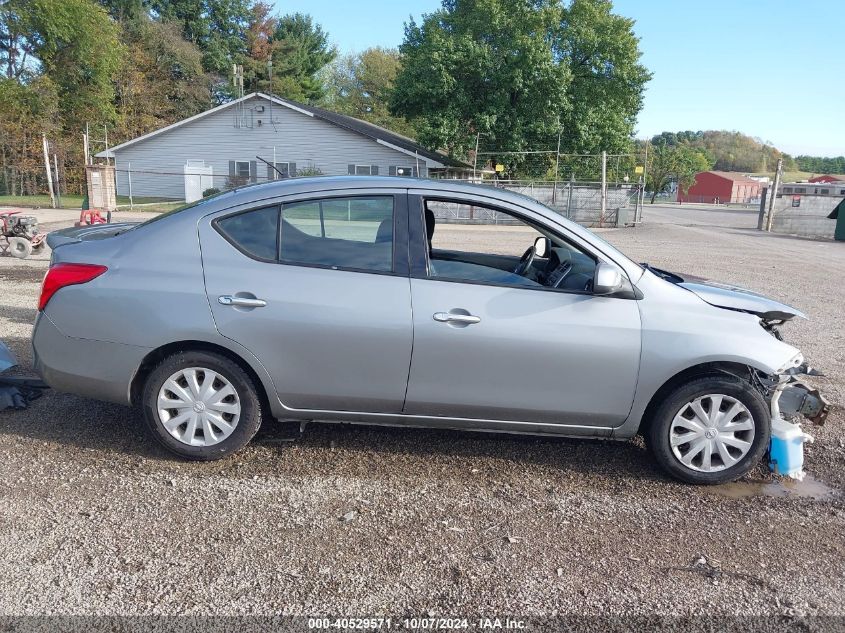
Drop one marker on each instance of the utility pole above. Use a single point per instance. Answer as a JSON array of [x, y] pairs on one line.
[[557, 162], [85, 147], [603, 212], [773, 194], [47, 168]]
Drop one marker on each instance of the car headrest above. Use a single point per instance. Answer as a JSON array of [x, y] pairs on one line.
[[385, 231], [429, 224]]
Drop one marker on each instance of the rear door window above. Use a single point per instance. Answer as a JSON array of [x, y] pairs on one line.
[[354, 233], [254, 233]]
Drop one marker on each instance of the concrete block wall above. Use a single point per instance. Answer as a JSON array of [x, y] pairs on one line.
[[807, 220]]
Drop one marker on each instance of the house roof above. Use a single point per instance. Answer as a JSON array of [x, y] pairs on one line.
[[735, 176], [378, 134]]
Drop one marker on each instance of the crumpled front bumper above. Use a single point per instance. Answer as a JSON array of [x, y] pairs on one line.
[[798, 399]]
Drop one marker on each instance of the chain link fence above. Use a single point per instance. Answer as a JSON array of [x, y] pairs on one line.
[[596, 190]]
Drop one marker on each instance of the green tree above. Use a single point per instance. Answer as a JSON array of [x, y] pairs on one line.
[[607, 79], [674, 162], [483, 68], [73, 42], [516, 73], [360, 85], [301, 50], [26, 110], [217, 27], [162, 79]]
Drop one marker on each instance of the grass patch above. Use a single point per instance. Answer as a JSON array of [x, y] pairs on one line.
[[40, 201]]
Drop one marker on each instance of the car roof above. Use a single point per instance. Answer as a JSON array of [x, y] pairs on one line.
[[310, 184]]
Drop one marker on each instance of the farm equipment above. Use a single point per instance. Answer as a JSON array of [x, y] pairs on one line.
[[87, 217], [19, 236]]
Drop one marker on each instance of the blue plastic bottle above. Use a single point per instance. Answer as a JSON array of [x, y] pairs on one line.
[[786, 455]]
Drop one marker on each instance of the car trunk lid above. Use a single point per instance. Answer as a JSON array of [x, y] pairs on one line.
[[77, 234]]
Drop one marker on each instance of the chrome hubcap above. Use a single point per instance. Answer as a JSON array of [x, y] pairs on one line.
[[198, 406], [711, 433]]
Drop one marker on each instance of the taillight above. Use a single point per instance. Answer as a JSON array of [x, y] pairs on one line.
[[65, 274]]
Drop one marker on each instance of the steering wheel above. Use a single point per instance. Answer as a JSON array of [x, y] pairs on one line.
[[525, 261]]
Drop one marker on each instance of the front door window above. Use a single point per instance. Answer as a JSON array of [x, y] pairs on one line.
[[477, 244]]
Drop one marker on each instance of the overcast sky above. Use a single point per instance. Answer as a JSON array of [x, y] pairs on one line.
[[773, 69]]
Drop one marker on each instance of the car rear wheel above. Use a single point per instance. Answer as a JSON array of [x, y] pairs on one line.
[[201, 405], [710, 430]]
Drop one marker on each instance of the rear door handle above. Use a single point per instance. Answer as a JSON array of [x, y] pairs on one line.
[[242, 302], [446, 317]]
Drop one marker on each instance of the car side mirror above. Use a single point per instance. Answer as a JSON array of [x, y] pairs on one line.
[[542, 247], [607, 279]]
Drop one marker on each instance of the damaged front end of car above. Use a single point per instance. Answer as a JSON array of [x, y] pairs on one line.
[[791, 400]]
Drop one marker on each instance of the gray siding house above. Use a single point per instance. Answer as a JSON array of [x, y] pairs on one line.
[[221, 147]]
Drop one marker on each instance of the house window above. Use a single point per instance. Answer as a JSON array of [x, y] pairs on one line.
[[825, 192], [363, 170], [402, 170], [842, 192], [800, 190], [787, 189], [240, 173], [283, 170]]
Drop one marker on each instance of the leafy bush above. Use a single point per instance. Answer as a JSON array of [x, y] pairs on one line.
[[210, 192], [311, 170]]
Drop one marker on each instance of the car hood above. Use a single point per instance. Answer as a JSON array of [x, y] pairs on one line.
[[732, 297], [85, 233]]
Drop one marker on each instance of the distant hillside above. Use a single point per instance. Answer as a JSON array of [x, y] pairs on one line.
[[730, 151]]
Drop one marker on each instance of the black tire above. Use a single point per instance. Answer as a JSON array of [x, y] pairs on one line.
[[248, 421], [658, 439]]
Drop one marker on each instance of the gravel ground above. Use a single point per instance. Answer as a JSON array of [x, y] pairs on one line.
[[96, 519]]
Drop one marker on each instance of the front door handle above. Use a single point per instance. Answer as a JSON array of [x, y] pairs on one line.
[[242, 302], [447, 317]]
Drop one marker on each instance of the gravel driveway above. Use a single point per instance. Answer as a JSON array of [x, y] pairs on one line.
[[96, 519]]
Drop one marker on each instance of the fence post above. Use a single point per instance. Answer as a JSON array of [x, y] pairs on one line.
[[773, 194], [47, 168], [129, 176], [603, 212], [58, 184], [475, 157], [557, 162], [569, 197], [761, 215]]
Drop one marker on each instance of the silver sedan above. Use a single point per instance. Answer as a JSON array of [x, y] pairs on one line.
[[359, 299]]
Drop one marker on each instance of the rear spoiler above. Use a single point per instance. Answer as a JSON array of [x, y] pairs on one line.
[[76, 234]]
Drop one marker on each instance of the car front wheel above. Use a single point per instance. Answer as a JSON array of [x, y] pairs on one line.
[[201, 405], [710, 430]]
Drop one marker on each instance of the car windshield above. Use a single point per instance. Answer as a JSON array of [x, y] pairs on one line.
[[605, 246]]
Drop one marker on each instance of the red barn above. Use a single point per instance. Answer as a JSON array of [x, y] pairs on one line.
[[721, 187], [828, 178]]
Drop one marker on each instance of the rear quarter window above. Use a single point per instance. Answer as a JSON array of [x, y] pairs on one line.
[[255, 233]]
